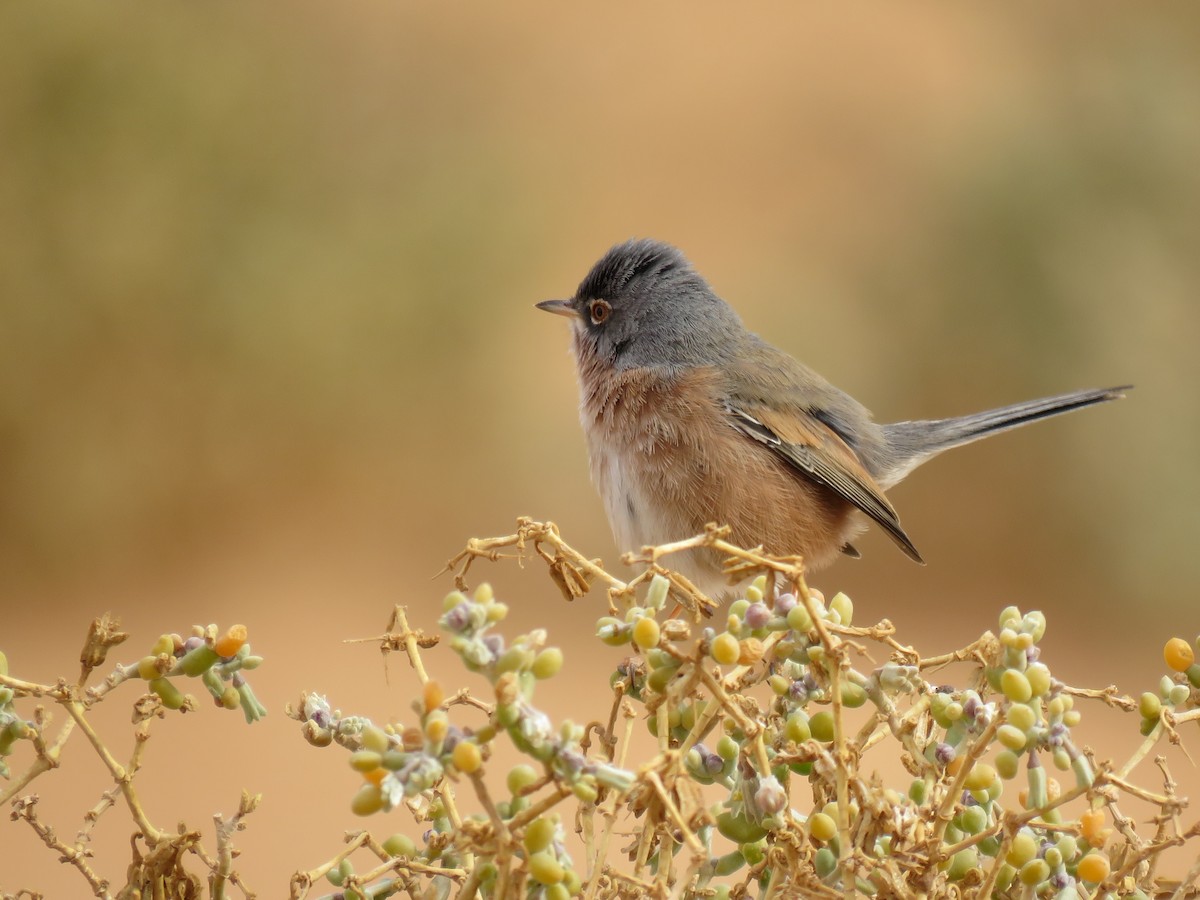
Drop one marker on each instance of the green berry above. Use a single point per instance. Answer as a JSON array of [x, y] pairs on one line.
[[1007, 764], [400, 845], [821, 726], [843, 606], [171, 696], [612, 631], [658, 680], [962, 863], [1150, 706], [825, 862], [1035, 624], [656, 595], [727, 748], [797, 728], [799, 620], [974, 819], [853, 695], [739, 829], [918, 790], [1010, 617], [338, 874]]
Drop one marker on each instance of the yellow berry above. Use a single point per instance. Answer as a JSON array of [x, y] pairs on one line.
[[375, 738], [1178, 654], [1016, 686], [646, 633], [1012, 737], [365, 760], [545, 869], [725, 649], [466, 757], [980, 777], [369, 799], [1021, 715], [1034, 872], [548, 663], [164, 644], [1038, 676], [436, 726], [148, 667], [821, 826], [538, 835]]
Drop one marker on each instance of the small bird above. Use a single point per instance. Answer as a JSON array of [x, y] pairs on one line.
[[692, 419]]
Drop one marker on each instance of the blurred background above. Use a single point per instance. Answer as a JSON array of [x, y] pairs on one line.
[[268, 352]]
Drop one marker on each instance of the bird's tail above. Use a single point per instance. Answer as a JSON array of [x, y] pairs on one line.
[[911, 443]]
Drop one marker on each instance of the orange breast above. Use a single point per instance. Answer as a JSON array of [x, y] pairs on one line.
[[667, 462]]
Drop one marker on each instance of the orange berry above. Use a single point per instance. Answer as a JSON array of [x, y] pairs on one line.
[[433, 696], [232, 642], [375, 776], [1178, 654], [1093, 868], [1091, 826]]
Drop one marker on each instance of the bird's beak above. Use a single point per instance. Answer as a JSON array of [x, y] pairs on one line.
[[559, 308]]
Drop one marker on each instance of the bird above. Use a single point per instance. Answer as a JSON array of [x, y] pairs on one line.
[[692, 419]]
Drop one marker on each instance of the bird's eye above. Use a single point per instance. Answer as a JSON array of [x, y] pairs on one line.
[[599, 311]]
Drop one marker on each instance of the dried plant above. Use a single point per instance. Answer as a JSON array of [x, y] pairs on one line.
[[767, 718], [166, 863], [759, 783]]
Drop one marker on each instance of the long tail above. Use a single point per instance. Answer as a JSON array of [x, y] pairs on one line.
[[911, 443]]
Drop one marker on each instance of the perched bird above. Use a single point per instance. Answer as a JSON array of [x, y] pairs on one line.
[[691, 419]]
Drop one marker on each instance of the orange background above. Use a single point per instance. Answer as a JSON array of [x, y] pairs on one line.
[[268, 352]]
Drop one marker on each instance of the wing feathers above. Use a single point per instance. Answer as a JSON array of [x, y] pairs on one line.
[[816, 451]]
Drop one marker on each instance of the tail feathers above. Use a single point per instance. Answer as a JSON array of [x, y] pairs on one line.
[[911, 443]]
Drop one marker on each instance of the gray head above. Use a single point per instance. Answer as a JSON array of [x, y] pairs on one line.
[[643, 304]]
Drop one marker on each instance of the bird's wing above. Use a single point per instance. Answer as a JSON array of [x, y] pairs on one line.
[[818, 452]]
